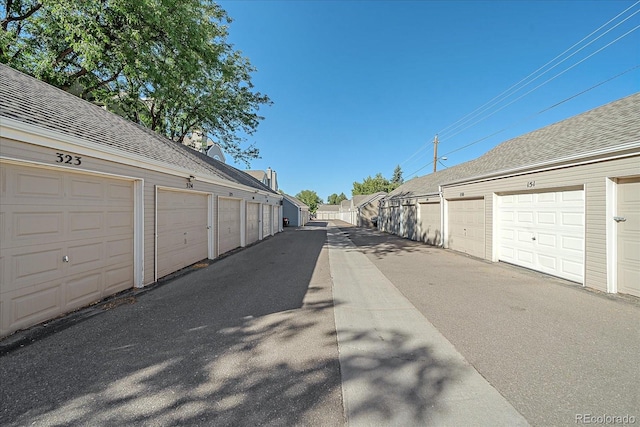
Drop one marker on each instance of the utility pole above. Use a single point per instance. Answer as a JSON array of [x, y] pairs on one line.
[[435, 153]]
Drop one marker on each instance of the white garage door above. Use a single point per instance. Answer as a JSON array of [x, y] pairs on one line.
[[183, 237], [430, 231], [253, 222], [544, 232], [266, 220], [628, 213], [228, 224], [466, 226], [274, 218], [66, 241]]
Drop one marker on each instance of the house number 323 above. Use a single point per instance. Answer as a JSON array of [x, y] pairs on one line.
[[68, 159]]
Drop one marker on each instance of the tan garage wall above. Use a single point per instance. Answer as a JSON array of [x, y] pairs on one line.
[[593, 176]]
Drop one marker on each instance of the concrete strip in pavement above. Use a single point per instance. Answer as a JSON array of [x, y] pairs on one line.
[[398, 369]]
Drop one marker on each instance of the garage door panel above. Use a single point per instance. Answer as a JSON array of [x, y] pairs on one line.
[[31, 185], [38, 225], [86, 256], [117, 278], [87, 222], [86, 189], [34, 267], [82, 289], [119, 221], [34, 304]]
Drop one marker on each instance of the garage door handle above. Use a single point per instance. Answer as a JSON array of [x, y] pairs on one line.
[[65, 258], [619, 219], [533, 238]]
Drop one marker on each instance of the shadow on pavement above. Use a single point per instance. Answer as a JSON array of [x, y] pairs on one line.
[[249, 340], [380, 244]]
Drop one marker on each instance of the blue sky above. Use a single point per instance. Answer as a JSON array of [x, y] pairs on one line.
[[362, 86]]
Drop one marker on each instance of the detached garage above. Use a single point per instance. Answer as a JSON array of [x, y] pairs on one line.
[[563, 200], [92, 204]]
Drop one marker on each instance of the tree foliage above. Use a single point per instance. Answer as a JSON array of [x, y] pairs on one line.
[[397, 176], [335, 199], [165, 64], [378, 183], [309, 198]]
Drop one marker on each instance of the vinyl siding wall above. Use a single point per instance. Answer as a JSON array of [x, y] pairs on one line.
[[592, 177], [35, 153]]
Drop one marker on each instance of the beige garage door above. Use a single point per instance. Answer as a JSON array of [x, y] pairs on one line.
[[429, 227], [183, 237], [466, 226], [266, 220], [253, 222], [628, 216], [228, 224], [67, 241]]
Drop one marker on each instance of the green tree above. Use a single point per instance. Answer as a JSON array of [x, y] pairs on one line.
[[371, 185], [335, 199], [378, 183], [165, 64], [397, 179], [309, 198]]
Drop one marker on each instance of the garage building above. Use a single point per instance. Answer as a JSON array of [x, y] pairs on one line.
[[92, 204], [563, 200]]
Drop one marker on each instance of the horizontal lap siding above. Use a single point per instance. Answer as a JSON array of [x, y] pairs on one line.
[[592, 176], [29, 152]]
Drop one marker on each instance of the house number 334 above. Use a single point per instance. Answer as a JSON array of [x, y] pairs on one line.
[[68, 159]]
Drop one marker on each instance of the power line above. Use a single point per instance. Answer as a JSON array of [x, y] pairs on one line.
[[466, 118], [507, 93], [545, 82], [544, 110]]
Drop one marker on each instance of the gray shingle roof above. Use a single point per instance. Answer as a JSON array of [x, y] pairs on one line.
[[608, 127], [31, 101], [364, 199], [329, 208], [296, 201]]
